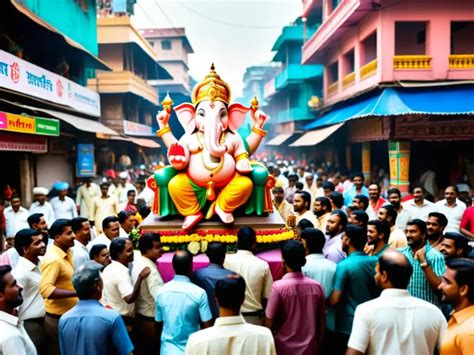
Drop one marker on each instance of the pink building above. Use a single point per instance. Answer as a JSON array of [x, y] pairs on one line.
[[397, 73]]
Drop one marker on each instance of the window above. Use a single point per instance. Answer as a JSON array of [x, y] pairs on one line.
[[368, 49], [333, 73], [461, 37], [349, 62], [166, 45], [410, 38]]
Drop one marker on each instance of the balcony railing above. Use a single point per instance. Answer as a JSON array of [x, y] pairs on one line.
[[411, 62], [332, 88], [461, 61], [348, 80], [368, 69]]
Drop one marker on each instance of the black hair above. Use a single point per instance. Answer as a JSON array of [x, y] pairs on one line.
[[34, 219], [460, 242], [328, 185], [394, 191], [57, 228], [361, 216], [104, 184], [117, 246], [342, 217], [4, 269], [337, 199], [108, 220], [299, 185], [391, 212], [418, 186], [230, 292], [293, 254], [442, 220], [146, 241], [95, 250], [363, 199], [325, 202], [293, 177], [306, 197], [464, 270], [279, 188], [315, 240], [304, 224], [419, 223], [123, 215], [399, 273], [216, 252], [23, 239], [454, 187], [357, 235], [246, 238], [358, 174], [76, 223], [182, 262], [129, 192], [381, 227]]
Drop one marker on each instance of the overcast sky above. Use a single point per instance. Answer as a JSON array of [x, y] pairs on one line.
[[234, 34]]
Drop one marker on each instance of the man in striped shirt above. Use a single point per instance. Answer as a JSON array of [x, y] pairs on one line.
[[428, 263]]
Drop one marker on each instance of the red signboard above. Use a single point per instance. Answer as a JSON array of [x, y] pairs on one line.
[[23, 143]]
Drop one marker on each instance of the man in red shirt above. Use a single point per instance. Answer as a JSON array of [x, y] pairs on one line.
[[467, 223]]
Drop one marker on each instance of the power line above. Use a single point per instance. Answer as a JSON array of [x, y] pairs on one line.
[[146, 14], [231, 24], [166, 17]]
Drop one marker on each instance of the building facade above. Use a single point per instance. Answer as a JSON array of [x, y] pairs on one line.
[[397, 74]]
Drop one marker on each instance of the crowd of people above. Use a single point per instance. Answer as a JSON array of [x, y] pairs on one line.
[[365, 273]]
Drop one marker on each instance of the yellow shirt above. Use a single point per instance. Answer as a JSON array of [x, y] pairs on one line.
[[103, 208], [459, 338], [56, 272]]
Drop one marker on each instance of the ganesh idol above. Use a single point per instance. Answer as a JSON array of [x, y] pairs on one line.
[[210, 163]]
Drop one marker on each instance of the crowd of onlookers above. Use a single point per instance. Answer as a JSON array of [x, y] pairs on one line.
[[368, 272]]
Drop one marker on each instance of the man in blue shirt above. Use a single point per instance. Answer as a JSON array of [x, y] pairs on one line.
[[89, 328], [208, 276], [357, 189], [180, 307]]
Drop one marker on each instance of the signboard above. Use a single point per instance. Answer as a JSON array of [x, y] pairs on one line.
[[136, 129], [17, 143], [85, 160], [418, 127], [19, 75], [26, 124]]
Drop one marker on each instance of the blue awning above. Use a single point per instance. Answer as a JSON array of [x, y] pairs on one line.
[[447, 100]]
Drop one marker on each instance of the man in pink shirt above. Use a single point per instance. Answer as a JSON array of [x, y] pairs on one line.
[[296, 307]]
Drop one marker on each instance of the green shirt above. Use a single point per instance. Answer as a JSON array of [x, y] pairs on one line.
[[355, 279], [381, 251], [419, 285]]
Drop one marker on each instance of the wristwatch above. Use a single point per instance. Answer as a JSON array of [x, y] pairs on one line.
[[424, 265]]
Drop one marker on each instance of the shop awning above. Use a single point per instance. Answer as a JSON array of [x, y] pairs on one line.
[[445, 100], [99, 64], [279, 139], [317, 136], [143, 142]]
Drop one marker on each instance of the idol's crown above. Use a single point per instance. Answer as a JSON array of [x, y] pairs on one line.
[[212, 88]]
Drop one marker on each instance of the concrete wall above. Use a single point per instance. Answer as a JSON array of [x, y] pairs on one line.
[[177, 51], [51, 168], [112, 54]]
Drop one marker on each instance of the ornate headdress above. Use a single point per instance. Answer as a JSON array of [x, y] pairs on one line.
[[212, 88]]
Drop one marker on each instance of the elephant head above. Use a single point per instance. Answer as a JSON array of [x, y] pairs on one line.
[[212, 118]]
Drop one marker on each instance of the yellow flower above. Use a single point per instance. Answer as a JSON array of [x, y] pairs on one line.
[[166, 248]]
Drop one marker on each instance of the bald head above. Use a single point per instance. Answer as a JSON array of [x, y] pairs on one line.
[[397, 268], [183, 263]]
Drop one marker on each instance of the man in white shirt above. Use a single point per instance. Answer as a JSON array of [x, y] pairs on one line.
[[111, 228], [16, 217], [256, 273], [119, 293], [302, 208], [452, 207], [82, 229], [128, 221], [150, 250], [231, 334], [125, 187], [419, 207], [30, 245], [397, 237], [41, 205], [63, 206], [13, 337], [403, 214], [396, 322]]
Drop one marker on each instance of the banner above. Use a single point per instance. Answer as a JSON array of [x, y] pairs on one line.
[[17, 143], [85, 160], [26, 124], [19, 75], [136, 129]]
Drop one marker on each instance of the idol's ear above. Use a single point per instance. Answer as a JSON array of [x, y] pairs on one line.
[[185, 113], [236, 113]]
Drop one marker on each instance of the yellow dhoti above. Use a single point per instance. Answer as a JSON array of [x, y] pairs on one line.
[[189, 198]]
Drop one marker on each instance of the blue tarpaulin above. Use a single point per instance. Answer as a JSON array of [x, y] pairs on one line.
[[446, 100]]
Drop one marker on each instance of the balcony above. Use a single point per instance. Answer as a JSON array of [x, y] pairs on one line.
[[411, 62], [295, 73], [120, 82], [368, 69], [269, 89], [348, 80], [333, 88], [293, 114], [461, 61]]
